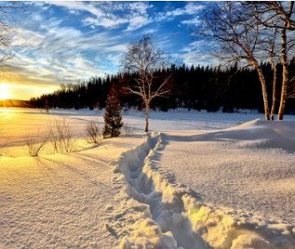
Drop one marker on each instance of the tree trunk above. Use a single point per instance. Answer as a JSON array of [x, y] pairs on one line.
[[274, 90], [285, 75], [146, 117], [263, 89]]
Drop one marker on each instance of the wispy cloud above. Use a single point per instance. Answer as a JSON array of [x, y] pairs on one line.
[[190, 8], [193, 21], [65, 42], [110, 15], [194, 53], [62, 54]]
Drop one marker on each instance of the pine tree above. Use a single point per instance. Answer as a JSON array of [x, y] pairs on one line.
[[112, 115]]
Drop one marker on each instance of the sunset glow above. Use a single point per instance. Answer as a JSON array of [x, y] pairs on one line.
[[65, 43], [4, 91]]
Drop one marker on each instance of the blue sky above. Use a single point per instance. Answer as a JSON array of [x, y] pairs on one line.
[[65, 42]]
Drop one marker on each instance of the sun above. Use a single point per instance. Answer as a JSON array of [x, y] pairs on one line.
[[4, 91]]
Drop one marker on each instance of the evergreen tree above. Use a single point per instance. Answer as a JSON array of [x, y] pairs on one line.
[[112, 116], [198, 87]]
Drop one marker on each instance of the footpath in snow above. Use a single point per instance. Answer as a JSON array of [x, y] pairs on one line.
[[241, 179], [157, 212], [249, 167]]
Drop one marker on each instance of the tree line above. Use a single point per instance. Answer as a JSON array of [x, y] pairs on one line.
[[192, 87]]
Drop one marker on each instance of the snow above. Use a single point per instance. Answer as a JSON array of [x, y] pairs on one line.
[[59, 201], [248, 167], [17, 122], [199, 180], [176, 217]]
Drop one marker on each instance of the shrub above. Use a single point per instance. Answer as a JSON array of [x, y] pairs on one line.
[[93, 132], [60, 136], [35, 143]]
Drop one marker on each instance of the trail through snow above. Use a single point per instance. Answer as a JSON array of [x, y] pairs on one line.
[[97, 197], [175, 217], [249, 167]]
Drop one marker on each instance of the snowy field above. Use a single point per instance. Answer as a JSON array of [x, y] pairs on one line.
[[17, 122], [252, 166], [199, 180]]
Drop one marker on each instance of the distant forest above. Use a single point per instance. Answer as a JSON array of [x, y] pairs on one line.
[[195, 87]]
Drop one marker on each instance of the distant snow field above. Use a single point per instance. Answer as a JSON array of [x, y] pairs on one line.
[[199, 180]]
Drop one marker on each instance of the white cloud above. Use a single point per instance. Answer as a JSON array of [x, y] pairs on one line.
[[27, 38], [106, 22], [64, 54], [135, 15], [140, 7], [137, 21], [194, 53], [190, 8], [78, 6], [193, 8], [110, 14], [194, 21], [47, 50]]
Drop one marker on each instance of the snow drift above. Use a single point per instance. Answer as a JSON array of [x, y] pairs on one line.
[[158, 213]]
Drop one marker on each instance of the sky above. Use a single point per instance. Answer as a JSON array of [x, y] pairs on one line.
[[68, 42]]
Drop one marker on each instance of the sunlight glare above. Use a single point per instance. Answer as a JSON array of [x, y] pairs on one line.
[[4, 91]]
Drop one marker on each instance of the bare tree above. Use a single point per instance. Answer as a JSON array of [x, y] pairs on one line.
[[285, 12], [239, 36], [276, 14], [279, 16], [285, 76], [270, 45], [142, 60]]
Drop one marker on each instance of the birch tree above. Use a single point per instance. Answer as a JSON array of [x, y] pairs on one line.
[[238, 37], [143, 60], [280, 16], [285, 12], [270, 46]]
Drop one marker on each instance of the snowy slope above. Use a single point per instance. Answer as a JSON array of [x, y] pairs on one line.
[[132, 192], [161, 213], [59, 201], [249, 167]]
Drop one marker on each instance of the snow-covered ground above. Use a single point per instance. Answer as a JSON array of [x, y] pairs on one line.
[[173, 216], [249, 167], [17, 122], [206, 180], [60, 200]]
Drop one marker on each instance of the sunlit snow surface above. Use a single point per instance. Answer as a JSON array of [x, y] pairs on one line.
[[95, 198], [17, 122]]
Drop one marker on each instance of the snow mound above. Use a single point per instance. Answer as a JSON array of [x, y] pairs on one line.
[[158, 213], [257, 134]]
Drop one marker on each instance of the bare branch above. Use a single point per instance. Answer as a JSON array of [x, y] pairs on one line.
[[143, 60]]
